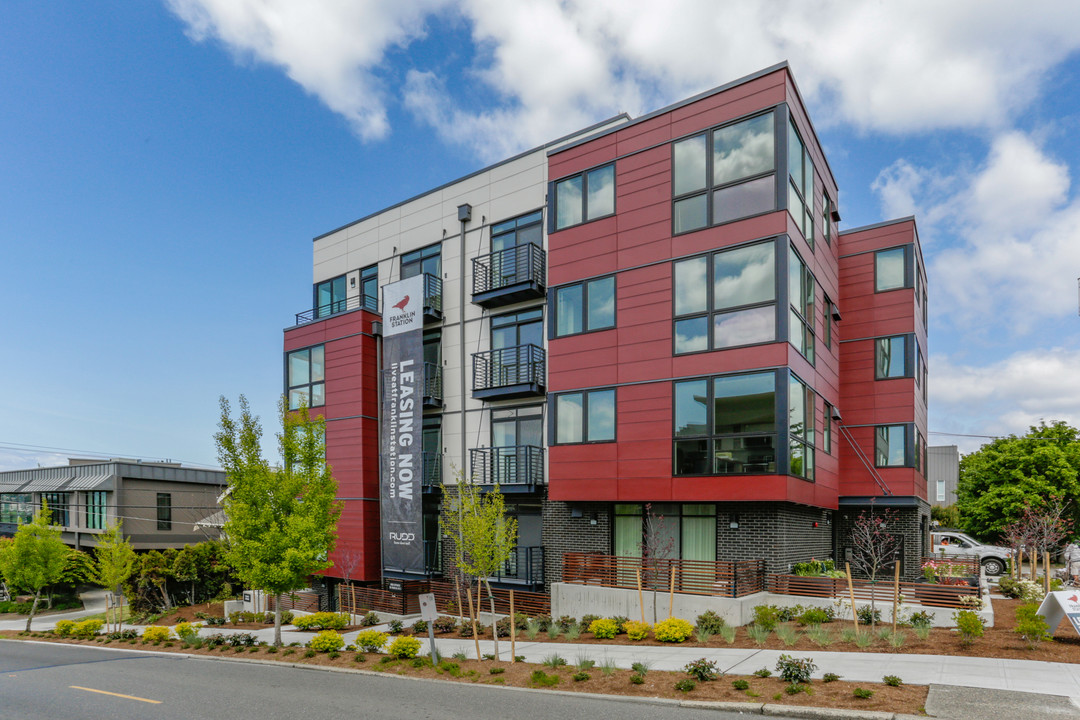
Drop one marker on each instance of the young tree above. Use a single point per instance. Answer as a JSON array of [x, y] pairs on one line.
[[281, 521], [657, 546], [873, 547], [34, 558], [115, 563]]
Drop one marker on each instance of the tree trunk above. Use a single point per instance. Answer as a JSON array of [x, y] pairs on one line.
[[494, 620], [277, 620], [165, 597], [457, 594], [33, 609]]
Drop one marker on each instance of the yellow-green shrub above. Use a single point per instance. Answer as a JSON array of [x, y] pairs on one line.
[[371, 640], [604, 628], [404, 647], [673, 630], [156, 633], [327, 641], [187, 631], [64, 627], [636, 630], [87, 628], [322, 621]]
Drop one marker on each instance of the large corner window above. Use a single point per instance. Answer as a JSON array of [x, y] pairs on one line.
[[726, 299], [890, 445], [585, 417], [164, 511], [726, 425], [585, 196], [801, 406], [330, 297], [369, 287], [95, 510], [306, 373], [16, 508], [688, 529], [59, 505], [801, 301], [585, 307], [800, 184], [724, 175], [892, 357], [425, 261], [891, 269]]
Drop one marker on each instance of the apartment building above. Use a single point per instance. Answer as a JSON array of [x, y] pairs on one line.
[[653, 316]]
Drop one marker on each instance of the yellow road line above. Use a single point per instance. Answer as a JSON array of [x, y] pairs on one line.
[[106, 692]]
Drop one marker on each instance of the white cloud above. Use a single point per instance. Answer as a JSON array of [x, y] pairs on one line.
[[556, 65]]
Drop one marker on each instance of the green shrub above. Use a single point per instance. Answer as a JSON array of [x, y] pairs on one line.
[[327, 641], [620, 621], [496, 671], [404, 647], [641, 668], [740, 684], [542, 679], [862, 693], [604, 628], [766, 616], [758, 633], [819, 635], [702, 669], [64, 627], [763, 673], [449, 667], [553, 661], [830, 677], [322, 621], [816, 616], [444, 624], [371, 640], [333, 654], [796, 688], [673, 630], [728, 633], [869, 615], [419, 627], [88, 628], [787, 634], [710, 622], [187, 631], [636, 630], [586, 621], [920, 619], [637, 679], [892, 681], [395, 627], [1007, 586], [685, 685], [969, 625], [795, 670], [580, 676], [309, 653], [370, 619], [1030, 625]]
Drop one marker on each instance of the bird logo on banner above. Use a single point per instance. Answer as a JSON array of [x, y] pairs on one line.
[[401, 305]]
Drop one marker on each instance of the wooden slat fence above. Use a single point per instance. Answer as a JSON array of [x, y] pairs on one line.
[[822, 587], [530, 603], [358, 600], [303, 600], [693, 577], [970, 563]]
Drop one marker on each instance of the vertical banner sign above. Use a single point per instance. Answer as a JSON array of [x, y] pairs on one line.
[[401, 426]]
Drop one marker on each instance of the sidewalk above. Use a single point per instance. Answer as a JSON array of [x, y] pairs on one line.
[[93, 604]]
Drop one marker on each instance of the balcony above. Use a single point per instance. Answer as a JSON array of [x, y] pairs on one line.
[[338, 307], [509, 276], [508, 373], [524, 568], [433, 398], [514, 469], [432, 298], [432, 482]]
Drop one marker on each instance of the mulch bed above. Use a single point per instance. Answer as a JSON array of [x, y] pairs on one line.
[[904, 699]]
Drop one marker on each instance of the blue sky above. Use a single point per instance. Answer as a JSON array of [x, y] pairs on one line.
[[166, 164]]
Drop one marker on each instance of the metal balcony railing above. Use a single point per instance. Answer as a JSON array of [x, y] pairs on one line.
[[432, 297], [433, 389], [525, 566], [510, 275], [337, 307], [509, 467], [432, 470], [518, 370]]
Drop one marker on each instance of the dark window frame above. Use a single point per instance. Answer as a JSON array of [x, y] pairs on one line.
[[710, 189], [909, 270], [808, 438], [371, 302], [59, 504], [96, 511], [310, 384], [676, 518], [164, 511], [911, 346], [806, 204], [336, 304], [417, 258], [553, 215], [585, 439], [585, 285], [909, 442], [804, 314]]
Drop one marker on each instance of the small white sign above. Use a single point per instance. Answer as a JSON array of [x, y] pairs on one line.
[[428, 613], [1059, 605]]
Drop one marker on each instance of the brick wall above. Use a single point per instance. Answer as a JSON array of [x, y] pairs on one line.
[[563, 533], [908, 521], [779, 533]]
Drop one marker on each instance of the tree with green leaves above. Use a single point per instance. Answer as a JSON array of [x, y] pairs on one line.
[[1002, 478], [115, 562], [281, 520], [34, 558], [485, 538]]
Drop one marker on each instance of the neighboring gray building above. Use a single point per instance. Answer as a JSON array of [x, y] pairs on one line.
[[159, 502], [942, 474]]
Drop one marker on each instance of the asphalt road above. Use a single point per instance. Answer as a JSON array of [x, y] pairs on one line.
[[69, 681]]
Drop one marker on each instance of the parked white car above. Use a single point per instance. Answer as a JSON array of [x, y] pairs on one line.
[[994, 558]]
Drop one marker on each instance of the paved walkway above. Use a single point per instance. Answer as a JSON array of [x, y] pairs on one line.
[[93, 604]]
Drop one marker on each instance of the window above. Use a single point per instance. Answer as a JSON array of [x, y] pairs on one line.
[[16, 508], [925, 313], [800, 184], [511, 427], [369, 287], [425, 261], [726, 299], [890, 445], [330, 297], [584, 197], [519, 231], [827, 318], [920, 446], [890, 269], [941, 491], [95, 510], [891, 357], [585, 417], [688, 529], [801, 299], [801, 408], [827, 430], [827, 210], [59, 504], [724, 175], [925, 382], [585, 307], [520, 328], [726, 425], [306, 377], [164, 511]]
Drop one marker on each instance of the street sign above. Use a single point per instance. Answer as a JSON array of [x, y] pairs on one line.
[[1059, 605], [428, 613]]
